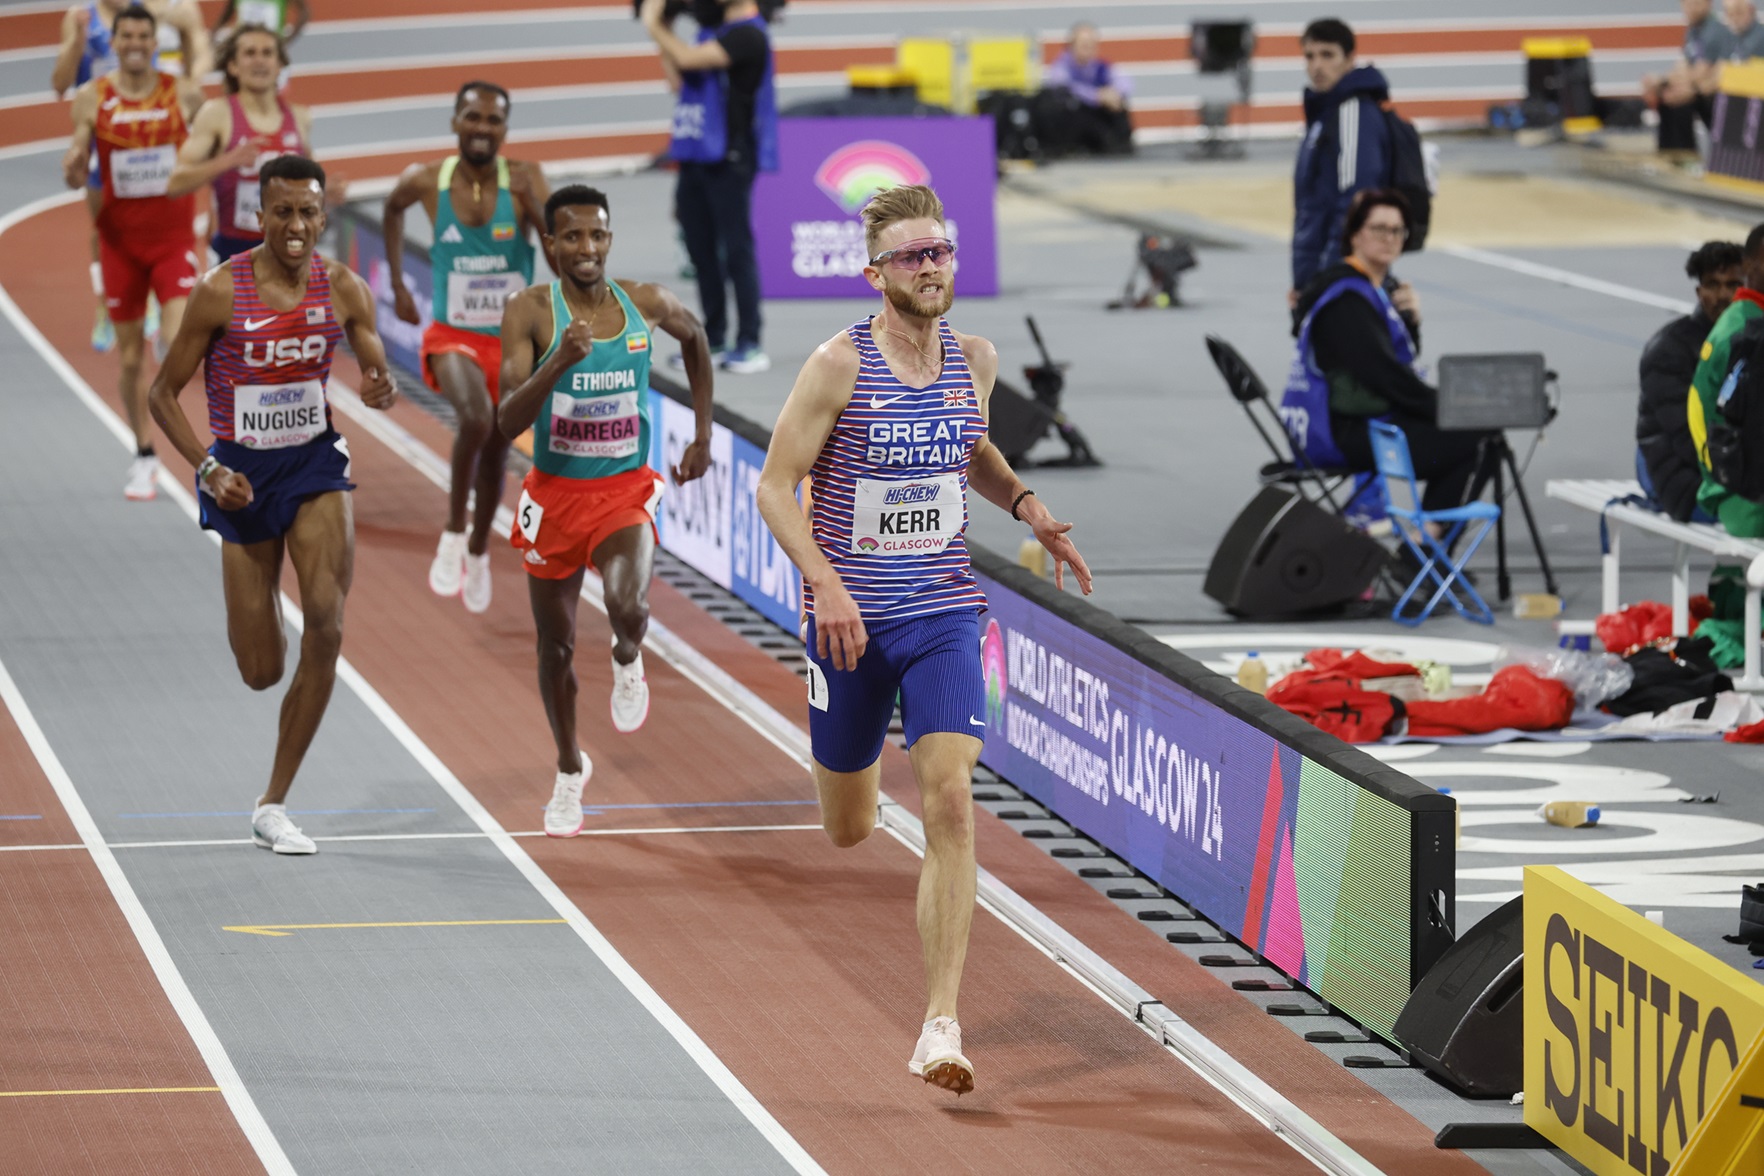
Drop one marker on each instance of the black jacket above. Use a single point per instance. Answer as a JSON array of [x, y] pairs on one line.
[[1661, 431], [1346, 148], [1355, 354]]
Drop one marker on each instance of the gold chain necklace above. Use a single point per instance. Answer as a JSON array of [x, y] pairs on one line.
[[913, 343], [599, 305]]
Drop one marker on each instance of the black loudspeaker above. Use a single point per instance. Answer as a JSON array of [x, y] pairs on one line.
[[1285, 554], [1017, 422], [1465, 1021]]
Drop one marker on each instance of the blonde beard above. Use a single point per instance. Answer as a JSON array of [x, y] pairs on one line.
[[904, 300]]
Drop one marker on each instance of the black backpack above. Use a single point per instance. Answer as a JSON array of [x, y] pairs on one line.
[[1736, 428], [1409, 174]]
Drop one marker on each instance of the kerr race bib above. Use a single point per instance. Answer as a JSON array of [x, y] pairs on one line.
[[278, 416], [918, 517], [595, 426], [475, 300], [142, 172]]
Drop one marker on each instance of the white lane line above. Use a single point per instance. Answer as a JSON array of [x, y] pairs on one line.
[[720, 1075], [1562, 277], [647, 831], [1218, 1068], [208, 1044]]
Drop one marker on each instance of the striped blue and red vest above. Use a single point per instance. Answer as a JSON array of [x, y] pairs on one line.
[[267, 371]]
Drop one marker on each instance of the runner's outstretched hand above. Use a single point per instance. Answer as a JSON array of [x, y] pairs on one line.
[[1054, 537], [377, 389]]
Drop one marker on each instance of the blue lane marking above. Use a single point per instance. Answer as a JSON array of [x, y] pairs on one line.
[[291, 812], [698, 804], [21, 816]]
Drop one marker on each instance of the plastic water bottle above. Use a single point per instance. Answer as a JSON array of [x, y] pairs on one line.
[[1570, 814], [1252, 673]]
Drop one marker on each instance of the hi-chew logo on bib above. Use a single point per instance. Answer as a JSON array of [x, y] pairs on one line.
[[920, 517], [278, 416], [595, 426], [857, 171]]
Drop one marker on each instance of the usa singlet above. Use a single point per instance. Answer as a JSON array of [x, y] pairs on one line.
[[266, 374], [477, 268], [891, 487], [137, 141], [596, 421], [238, 201]]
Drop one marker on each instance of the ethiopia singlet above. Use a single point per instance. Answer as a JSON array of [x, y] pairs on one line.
[[137, 142], [238, 201], [266, 373], [891, 487], [478, 268], [596, 421]]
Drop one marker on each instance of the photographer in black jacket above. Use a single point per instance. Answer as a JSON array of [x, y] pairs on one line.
[[1666, 456], [725, 132]]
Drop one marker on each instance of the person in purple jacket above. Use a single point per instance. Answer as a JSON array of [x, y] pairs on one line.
[[1094, 118]]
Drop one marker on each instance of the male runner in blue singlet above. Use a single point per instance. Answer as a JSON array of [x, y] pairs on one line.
[[889, 419], [265, 327]]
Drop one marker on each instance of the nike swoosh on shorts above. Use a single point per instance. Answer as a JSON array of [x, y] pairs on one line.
[[975, 722]]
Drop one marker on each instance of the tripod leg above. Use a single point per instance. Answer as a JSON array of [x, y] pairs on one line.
[[1543, 561], [1503, 580]]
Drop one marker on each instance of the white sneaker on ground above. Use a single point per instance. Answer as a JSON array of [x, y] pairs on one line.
[[563, 816], [630, 695], [938, 1058], [746, 361], [140, 487], [272, 829], [448, 569], [476, 593], [677, 361]]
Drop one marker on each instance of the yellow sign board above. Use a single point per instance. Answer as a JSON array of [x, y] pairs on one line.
[[1730, 1139], [1630, 1033]]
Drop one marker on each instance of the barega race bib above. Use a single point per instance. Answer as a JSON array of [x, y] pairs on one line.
[[917, 517], [278, 416], [595, 426], [475, 300], [142, 172]]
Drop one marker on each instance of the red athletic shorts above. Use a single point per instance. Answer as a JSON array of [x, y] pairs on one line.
[[560, 521], [483, 350], [134, 262]]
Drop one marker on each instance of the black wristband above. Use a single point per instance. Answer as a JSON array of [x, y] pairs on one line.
[[1018, 501]]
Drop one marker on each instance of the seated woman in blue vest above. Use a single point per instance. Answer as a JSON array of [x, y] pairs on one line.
[[1359, 332]]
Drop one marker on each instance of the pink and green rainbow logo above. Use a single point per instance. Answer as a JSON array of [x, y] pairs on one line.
[[857, 171]]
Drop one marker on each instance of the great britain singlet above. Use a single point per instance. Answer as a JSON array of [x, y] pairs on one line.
[[891, 487], [266, 374], [596, 421], [477, 268], [238, 200], [137, 141]]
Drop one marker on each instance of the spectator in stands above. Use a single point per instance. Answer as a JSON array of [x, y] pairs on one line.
[[1091, 114], [1346, 147], [1358, 332], [1685, 94], [1741, 516], [1666, 457], [725, 132], [1745, 36]]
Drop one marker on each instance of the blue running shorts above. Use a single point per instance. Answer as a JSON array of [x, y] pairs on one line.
[[281, 479], [932, 663]]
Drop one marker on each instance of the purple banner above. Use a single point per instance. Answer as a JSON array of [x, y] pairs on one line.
[[805, 215], [1194, 797]]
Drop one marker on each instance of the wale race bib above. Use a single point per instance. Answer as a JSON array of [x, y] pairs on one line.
[[921, 516], [141, 172], [475, 300], [278, 416], [595, 426]]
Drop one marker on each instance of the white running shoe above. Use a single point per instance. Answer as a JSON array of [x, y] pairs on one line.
[[938, 1058], [630, 695], [272, 829], [476, 593], [448, 569], [563, 816], [140, 487], [745, 361]]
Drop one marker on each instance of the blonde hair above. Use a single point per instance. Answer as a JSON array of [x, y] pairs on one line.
[[892, 205]]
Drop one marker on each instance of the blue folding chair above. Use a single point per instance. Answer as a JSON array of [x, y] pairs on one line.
[[1390, 454]]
